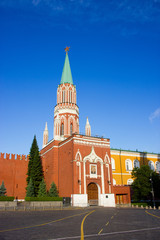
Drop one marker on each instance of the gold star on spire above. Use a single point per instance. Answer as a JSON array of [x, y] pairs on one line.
[[67, 49]]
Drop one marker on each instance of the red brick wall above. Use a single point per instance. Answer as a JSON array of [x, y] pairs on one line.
[[66, 172], [13, 172], [122, 190]]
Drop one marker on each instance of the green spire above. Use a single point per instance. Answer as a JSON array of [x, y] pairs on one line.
[[66, 74]]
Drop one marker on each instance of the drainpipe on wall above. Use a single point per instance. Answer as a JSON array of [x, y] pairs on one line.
[[121, 168]]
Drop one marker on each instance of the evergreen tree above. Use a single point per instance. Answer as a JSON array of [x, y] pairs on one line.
[[30, 189], [37, 171], [42, 192], [33, 149], [53, 192], [2, 189]]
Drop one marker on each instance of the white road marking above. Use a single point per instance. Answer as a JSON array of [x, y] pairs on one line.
[[111, 233]]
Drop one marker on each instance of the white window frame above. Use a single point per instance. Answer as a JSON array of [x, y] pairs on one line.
[[135, 163], [113, 163], [129, 166], [158, 167], [129, 181], [114, 182], [151, 165]]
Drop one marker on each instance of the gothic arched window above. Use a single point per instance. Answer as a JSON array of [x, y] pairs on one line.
[[63, 96], [62, 129], [70, 96], [71, 128]]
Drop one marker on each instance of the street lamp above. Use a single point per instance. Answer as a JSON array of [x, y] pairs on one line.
[[152, 189]]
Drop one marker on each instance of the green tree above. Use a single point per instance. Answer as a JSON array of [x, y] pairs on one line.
[[2, 189], [30, 189], [33, 149], [53, 192], [142, 183], [42, 192], [37, 171]]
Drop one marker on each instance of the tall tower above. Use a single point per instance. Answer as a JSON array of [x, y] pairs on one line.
[[45, 136], [88, 128], [66, 112]]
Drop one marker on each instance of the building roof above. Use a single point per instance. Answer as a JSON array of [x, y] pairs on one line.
[[66, 74]]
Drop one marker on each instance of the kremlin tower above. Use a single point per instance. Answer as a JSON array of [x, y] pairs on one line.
[[66, 112]]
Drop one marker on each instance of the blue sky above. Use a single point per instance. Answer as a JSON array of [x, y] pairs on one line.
[[115, 63]]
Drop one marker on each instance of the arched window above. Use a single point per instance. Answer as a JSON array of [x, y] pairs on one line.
[[62, 129], [128, 165], [63, 96], [71, 128], [129, 181], [114, 181], [136, 164], [113, 163], [151, 165], [70, 96], [158, 167]]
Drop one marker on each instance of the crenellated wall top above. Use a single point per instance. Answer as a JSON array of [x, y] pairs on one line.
[[8, 156]]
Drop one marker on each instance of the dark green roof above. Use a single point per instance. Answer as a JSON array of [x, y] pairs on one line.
[[66, 74]]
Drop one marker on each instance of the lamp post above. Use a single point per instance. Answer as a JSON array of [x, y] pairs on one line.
[[152, 189]]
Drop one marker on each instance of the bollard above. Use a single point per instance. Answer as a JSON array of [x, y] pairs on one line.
[[150, 207], [141, 206], [154, 208], [136, 206], [146, 207]]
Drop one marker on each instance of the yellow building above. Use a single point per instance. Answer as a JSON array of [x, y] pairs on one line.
[[123, 162]]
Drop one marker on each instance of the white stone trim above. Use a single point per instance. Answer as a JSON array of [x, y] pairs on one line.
[[133, 154], [82, 141], [107, 200], [121, 173], [79, 200]]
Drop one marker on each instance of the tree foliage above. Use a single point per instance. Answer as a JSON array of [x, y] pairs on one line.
[[53, 192], [33, 149], [42, 192], [2, 189], [30, 189], [144, 179], [35, 170]]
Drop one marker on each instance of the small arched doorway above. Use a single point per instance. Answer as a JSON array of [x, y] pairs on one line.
[[92, 191]]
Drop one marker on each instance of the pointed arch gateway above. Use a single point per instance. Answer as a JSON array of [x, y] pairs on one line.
[[92, 191]]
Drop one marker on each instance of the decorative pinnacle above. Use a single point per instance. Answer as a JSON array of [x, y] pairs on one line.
[[67, 49]]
